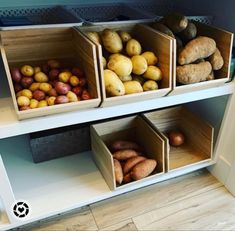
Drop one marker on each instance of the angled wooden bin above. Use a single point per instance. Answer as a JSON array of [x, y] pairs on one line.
[[150, 40], [198, 145], [36, 46], [134, 129]]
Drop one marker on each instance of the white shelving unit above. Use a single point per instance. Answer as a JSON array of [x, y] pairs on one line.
[[70, 182]]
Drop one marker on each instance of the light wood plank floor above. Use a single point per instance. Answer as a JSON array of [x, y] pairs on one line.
[[196, 201]]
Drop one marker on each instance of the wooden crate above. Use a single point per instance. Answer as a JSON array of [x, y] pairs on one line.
[[151, 40], [224, 41], [198, 144], [35, 46], [133, 129]]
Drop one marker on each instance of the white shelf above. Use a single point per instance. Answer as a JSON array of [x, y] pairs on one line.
[[62, 184], [10, 126]]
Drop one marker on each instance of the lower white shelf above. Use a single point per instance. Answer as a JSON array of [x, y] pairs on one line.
[[62, 184]]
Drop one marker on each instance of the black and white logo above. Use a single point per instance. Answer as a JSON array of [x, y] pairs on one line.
[[21, 209]]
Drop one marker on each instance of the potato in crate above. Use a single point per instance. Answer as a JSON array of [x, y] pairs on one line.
[[188, 138], [201, 54], [127, 151], [134, 61], [50, 71]]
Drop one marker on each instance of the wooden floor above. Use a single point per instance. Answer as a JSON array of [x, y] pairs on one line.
[[196, 201]]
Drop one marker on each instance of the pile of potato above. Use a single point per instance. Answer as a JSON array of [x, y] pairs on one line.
[[197, 56], [48, 85], [129, 163], [127, 69]]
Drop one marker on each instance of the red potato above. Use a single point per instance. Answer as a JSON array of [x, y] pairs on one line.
[[122, 144], [39, 95], [52, 92], [143, 169], [16, 75], [62, 88], [45, 68], [61, 99], [17, 87], [53, 63], [77, 72], [26, 82], [130, 163], [85, 95], [125, 154], [77, 90], [118, 171], [53, 74]]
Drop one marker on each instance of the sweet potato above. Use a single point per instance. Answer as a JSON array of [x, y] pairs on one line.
[[127, 178], [216, 60], [118, 171], [143, 169], [211, 76], [193, 73], [122, 144], [125, 154], [200, 47], [130, 163]]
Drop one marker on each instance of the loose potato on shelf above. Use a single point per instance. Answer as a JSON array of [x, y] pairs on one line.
[[133, 47], [72, 96], [46, 87], [216, 60], [118, 171], [34, 86], [51, 100], [111, 41], [104, 62], [27, 93], [42, 103], [33, 103]]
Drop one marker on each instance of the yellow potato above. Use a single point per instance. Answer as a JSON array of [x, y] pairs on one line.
[[34, 86], [65, 76], [120, 64], [45, 87], [132, 87], [150, 57], [153, 73], [139, 64], [27, 70], [111, 41], [41, 77], [27, 93], [51, 100], [94, 36], [33, 103], [23, 101], [72, 96], [125, 36], [19, 93], [113, 85], [150, 85], [42, 103], [133, 47], [37, 69]]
